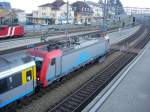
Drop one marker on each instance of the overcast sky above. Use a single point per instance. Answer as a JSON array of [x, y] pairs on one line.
[[29, 5]]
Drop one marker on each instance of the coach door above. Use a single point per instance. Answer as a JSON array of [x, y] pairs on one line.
[[58, 66], [28, 79], [51, 73]]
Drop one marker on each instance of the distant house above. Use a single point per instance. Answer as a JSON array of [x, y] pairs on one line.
[[5, 7], [53, 13], [20, 14], [29, 18], [82, 12], [6, 12], [97, 10]]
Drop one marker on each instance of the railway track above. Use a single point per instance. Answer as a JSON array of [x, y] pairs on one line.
[[54, 33], [82, 96], [23, 44], [17, 44], [61, 31], [44, 91], [40, 34]]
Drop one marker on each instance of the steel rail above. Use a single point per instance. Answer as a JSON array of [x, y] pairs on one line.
[[80, 98]]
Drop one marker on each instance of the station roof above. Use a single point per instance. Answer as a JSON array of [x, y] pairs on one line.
[[54, 5]]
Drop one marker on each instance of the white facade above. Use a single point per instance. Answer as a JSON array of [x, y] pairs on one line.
[[136, 10], [58, 16], [45, 12], [97, 10], [61, 15], [21, 15]]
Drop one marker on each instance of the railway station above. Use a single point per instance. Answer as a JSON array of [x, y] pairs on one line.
[[74, 56]]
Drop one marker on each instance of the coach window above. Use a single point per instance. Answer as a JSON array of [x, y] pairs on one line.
[[29, 75], [10, 82], [3, 85], [53, 61], [17, 79], [14, 81]]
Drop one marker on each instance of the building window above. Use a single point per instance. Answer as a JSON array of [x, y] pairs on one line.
[[43, 14], [82, 9], [75, 8], [44, 8]]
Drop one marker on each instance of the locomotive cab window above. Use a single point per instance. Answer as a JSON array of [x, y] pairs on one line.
[[29, 75], [53, 61]]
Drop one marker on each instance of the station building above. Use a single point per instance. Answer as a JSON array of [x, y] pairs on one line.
[[53, 13]]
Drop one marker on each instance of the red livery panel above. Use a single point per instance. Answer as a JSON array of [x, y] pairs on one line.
[[47, 57], [11, 31]]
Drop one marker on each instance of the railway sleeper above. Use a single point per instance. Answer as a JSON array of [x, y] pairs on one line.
[[69, 105]]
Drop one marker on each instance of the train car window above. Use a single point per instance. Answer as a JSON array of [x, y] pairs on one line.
[[17, 79], [10, 82], [3, 85], [10, 79], [14, 80], [29, 75], [53, 61]]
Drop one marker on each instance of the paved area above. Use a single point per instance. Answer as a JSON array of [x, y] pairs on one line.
[[122, 34], [133, 93]]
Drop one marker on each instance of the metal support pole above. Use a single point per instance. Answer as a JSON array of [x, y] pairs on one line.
[[67, 11], [105, 16]]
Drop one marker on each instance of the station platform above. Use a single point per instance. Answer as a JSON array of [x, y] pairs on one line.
[[130, 91], [122, 34]]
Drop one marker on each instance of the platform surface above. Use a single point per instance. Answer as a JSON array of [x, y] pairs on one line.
[[122, 34], [133, 93]]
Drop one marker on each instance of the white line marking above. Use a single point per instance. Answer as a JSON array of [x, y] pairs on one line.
[[13, 31]]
